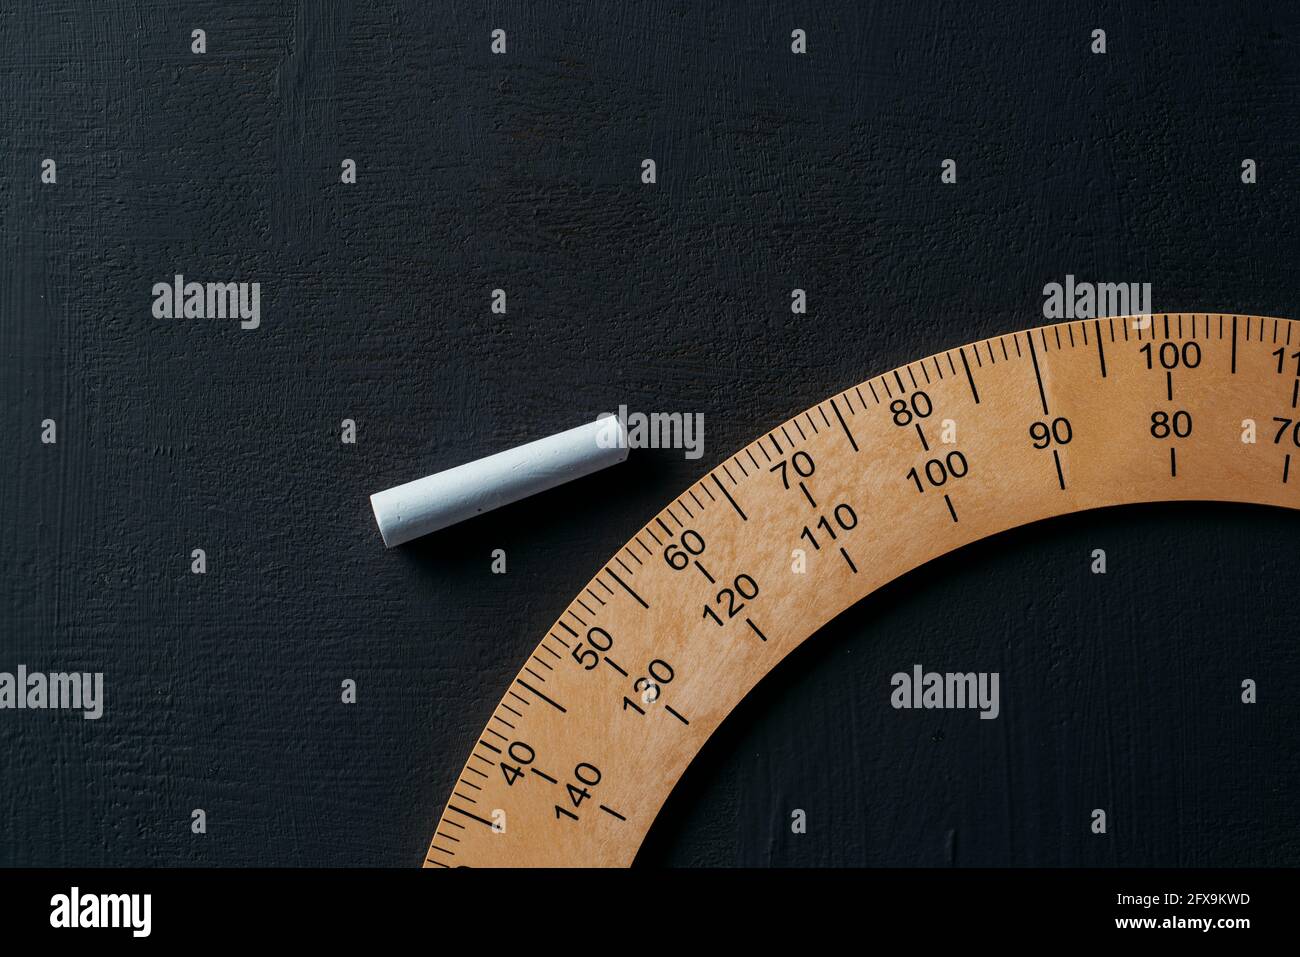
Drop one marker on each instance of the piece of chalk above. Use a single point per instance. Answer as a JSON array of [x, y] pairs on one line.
[[436, 501]]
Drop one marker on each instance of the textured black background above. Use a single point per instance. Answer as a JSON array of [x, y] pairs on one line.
[[522, 171]]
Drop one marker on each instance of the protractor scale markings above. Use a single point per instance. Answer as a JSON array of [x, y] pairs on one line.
[[623, 691]]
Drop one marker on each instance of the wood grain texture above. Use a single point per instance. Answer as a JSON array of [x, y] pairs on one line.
[[520, 172]]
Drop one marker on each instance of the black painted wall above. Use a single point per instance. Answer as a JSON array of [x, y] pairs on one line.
[[522, 172]]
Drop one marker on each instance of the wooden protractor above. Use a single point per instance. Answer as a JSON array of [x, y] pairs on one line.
[[623, 691]]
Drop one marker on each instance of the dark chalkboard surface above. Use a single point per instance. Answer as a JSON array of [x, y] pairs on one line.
[[522, 171]]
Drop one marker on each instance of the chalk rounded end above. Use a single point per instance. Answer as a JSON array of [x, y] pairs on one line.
[[618, 449], [379, 520]]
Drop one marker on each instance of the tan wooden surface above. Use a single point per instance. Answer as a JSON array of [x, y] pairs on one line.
[[497, 817]]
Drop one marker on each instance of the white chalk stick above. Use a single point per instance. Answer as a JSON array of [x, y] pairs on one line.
[[436, 501]]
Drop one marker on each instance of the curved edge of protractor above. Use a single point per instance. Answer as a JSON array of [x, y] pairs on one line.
[[629, 683]]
